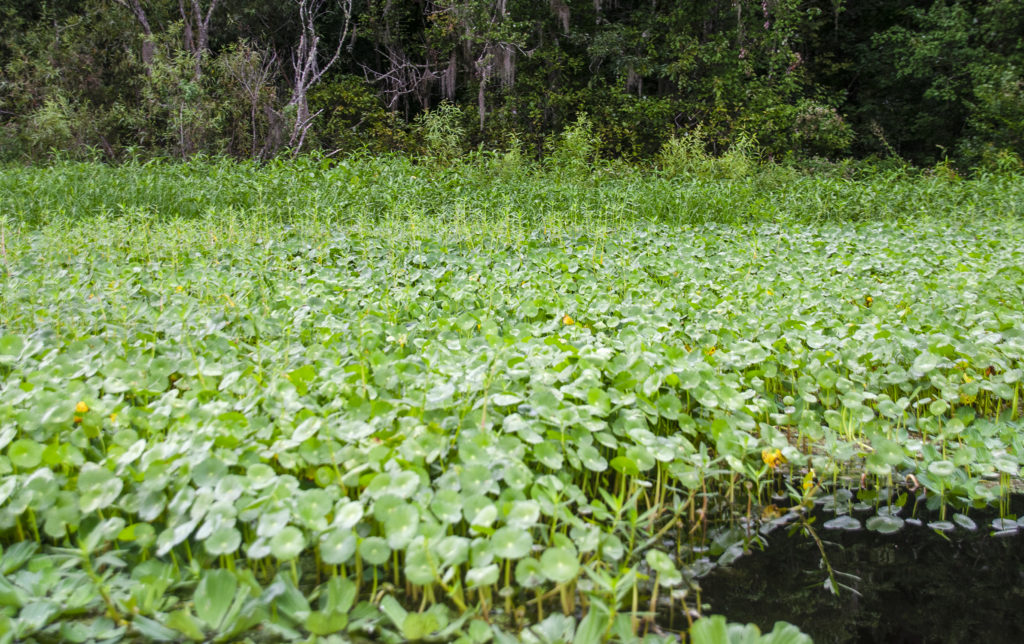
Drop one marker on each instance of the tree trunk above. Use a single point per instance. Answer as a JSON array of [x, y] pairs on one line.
[[148, 48], [197, 29]]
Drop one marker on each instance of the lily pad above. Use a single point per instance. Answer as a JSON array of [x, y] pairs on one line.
[[842, 522], [884, 524]]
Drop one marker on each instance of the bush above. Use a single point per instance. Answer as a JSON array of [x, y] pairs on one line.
[[441, 131], [575, 149], [354, 117], [687, 155]]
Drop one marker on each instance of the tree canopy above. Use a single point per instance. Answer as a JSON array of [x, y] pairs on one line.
[[915, 79]]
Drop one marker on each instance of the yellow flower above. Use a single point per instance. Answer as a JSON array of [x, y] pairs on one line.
[[808, 481], [868, 300], [772, 458], [567, 320], [81, 407]]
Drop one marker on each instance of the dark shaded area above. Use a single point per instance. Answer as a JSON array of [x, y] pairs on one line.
[[914, 586], [884, 80]]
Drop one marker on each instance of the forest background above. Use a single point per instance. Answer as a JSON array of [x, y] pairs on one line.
[[884, 80]]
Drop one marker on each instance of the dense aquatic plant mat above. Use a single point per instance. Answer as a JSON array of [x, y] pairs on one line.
[[225, 427]]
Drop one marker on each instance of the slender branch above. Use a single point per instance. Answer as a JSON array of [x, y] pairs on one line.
[[306, 63]]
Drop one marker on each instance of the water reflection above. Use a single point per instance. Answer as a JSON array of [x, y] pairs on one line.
[[912, 586]]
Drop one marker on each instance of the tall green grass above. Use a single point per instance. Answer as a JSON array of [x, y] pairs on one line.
[[486, 188]]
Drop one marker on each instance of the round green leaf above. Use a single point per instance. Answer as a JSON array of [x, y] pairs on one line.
[[843, 522], [505, 400], [347, 514], [510, 543], [260, 475], [529, 573], [25, 454], [312, 507], [223, 541], [337, 546], [884, 524], [559, 565], [523, 515], [420, 568], [484, 576], [400, 525], [287, 544], [374, 550], [591, 458], [942, 469], [98, 488]]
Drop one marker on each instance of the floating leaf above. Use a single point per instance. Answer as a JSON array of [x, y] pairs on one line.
[[842, 522], [965, 522], [884, 524]]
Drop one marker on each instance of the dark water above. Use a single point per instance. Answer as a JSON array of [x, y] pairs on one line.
[[911, 586]]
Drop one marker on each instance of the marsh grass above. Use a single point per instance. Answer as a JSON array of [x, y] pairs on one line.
[[484, 187]]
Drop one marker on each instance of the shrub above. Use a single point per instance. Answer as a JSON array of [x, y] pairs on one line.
[[442, 131], [575, 149], [687, 155]]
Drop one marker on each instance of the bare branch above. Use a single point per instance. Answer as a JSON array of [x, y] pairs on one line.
[[405, 77], [197, 28], [306, 65]]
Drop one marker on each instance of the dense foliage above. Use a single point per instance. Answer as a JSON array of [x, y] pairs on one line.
[[282, 401], [915, 79]]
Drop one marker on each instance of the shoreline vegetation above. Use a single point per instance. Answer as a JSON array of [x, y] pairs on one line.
[[380, 398], [928, 82], [685, 186]]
